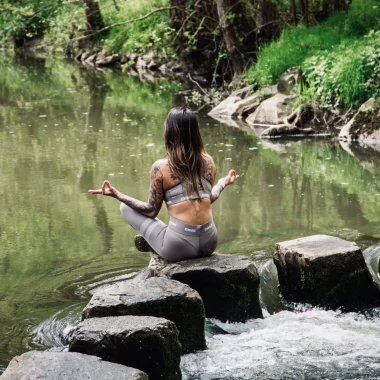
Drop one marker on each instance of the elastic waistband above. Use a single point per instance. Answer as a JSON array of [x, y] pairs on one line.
[[190, 229]]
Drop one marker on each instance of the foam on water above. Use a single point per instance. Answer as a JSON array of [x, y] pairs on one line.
[[313, 344]]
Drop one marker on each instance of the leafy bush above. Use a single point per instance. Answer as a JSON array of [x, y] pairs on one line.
[[338, 59], [152, 33], [347, 76], [20, 19]]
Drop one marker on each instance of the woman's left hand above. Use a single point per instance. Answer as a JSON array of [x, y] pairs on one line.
[[107, 189], [231, 177]]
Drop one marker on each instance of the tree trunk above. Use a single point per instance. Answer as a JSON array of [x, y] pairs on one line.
[[94, 20], [235, 24], [194, 24], [305, 11], [294, 11], [267, 20]]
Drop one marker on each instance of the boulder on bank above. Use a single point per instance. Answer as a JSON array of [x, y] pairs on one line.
[[273, 110], [228, 284], [365, 125], [157, 297], [107, 61], [325, 271], [289, 79], [241, 103], [245, 102], [64, 365], [147, 343]]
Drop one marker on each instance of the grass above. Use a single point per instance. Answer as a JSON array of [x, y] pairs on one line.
[[338, 56]]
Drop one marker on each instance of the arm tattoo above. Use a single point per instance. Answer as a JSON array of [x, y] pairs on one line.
[[156, 195], [210, 171], [216, 191], [210, 174]]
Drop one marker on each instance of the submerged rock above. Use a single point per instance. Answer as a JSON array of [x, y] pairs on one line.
[[64, 365], [325, 271], [228, 284], [157, 297], [365, 125], [147, 343]]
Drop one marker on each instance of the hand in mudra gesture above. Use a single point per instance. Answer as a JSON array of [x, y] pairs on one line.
[[231, 177], [107, 189]]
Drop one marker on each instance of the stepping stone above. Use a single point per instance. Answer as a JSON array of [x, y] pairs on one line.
[[147, 343], [157, 297], [65, 365], [325, 271], [228, 284]]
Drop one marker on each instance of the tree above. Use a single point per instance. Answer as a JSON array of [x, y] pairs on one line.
[[237, 24], [195, 28], [94, 19]]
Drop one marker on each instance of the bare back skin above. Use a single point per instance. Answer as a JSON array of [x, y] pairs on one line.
[[191, 211]]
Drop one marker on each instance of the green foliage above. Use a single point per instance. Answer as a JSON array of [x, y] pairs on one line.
[[347, 76], [61, 20], [19, 19], [339, 56], [151, 33]]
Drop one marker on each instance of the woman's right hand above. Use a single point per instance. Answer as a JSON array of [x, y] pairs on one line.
[[107, 189], [231, 177]]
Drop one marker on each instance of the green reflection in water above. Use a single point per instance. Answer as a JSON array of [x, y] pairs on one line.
[[64, 129]]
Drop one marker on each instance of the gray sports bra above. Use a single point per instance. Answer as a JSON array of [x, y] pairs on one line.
[[177, 194]]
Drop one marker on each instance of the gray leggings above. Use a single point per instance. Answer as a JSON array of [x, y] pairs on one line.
[[176, 241]]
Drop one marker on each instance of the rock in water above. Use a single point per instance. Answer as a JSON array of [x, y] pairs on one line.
[[365, 125], [157, 297], [64, 365], [147, 343], [325, 271], [228, 284]]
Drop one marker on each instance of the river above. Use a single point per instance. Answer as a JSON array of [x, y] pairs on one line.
[[64, 129]]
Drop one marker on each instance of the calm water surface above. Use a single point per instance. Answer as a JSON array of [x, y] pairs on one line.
[[64, 129]]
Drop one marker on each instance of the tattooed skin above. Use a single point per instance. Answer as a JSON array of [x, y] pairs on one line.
[[156, 194], [210, 174], [156, 191], [210, 170]]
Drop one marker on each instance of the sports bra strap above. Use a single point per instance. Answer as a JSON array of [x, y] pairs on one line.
[[177, 194]]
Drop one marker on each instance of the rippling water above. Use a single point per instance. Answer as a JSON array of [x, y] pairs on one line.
[[308, 344], [64, 129]]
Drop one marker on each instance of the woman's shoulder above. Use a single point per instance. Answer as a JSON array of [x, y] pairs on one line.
[[209, 168], [161, 165], [209, 162]]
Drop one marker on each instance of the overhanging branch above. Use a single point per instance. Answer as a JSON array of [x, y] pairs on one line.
[[123, 23]]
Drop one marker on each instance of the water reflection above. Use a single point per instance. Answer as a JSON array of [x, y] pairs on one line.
[[63, 130]]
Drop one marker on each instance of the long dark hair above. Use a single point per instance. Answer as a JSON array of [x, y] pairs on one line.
[[185, 148]]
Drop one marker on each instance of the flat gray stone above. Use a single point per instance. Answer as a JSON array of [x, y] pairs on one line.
[[147, 343], [46, 365], [157, 297], [228, 284], [325, 271]]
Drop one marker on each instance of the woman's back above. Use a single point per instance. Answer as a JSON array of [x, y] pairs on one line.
[[195, 211]]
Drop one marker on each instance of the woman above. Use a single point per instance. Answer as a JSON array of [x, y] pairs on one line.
[[184, 179]]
